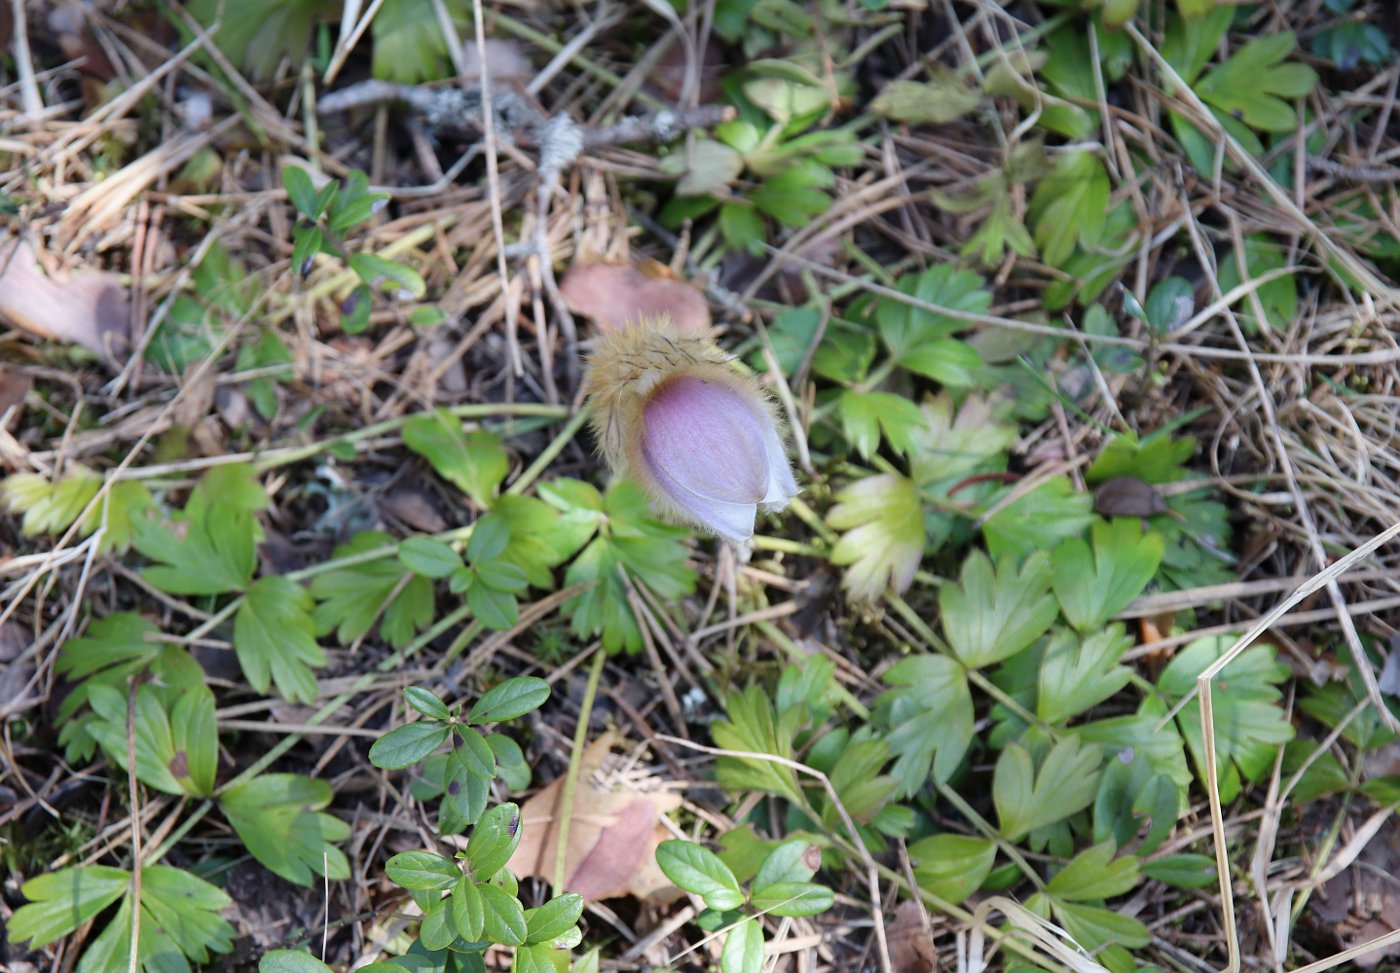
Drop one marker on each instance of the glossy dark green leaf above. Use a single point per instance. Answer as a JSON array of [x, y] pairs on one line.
[[494, 840], [425, 702], [554, 918], [417, 870], [404, 746], [509, 700], [504, 917]]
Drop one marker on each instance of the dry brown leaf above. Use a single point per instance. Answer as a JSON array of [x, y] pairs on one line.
[[1360, 904], [612, 839], [911, 947], [14, 386], [615, 295], [88, 309]]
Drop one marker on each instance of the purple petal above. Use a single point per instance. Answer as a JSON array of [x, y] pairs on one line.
[[706, 445]]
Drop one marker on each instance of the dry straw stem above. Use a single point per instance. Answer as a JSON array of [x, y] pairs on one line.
[[1383, 357], [1203, 687]]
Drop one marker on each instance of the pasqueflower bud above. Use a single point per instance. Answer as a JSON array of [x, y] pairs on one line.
[[671, 412]]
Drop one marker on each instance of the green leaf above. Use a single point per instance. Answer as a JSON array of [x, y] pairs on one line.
[[388, 275], [1277, 298], [489, 540], [349, 599], [706, 169], [418, 870], [436, 931], [1094, 927], [275, 639], [1069, 206], [945, 360], [468, 911], [795, 196], [475, 753], [494, 840], [209, 548], [793, 899], [791, 861], [700, 872], [1001, 228], [883, 536], [504, 917], [866, 415], [742, 228], [1038, 519], [502, 577], [50, 508], [554, 918], [1352, 43], [426, 702], [652, 553], [428, 557], [905, 327], [954, 445], [61, 901], [308, 242], [1076, 674], [929, 714], [1249, 724], [1157, 458], [1094, 874], [510, 700], [1093, 585], [464, 792], [539, 539], [753, 727], [952, 866], [1185, 871], [258, 34], [941, 100], [404, 746], [409, 44], [279, 819], [300, 191], [497, 610], [743, 948], [1027, 799], [1252, 84], [1170, 304], [476, 462], [989, 617], [1139, 737], [115, 647], [179, 921], [176, 735], [291, 960]]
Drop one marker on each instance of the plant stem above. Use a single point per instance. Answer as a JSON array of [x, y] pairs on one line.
[[566, 799], [549, 453]]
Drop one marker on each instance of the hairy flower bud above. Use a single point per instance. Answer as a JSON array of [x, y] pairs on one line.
[[671, 412]]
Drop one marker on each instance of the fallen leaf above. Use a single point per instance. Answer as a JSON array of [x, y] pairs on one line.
[[413, 505], [1360, 904], [672, 67], [506, 63], [88, 309], [68, 24], [615, 295], [911, 946], [612, 838], [14, 385]]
